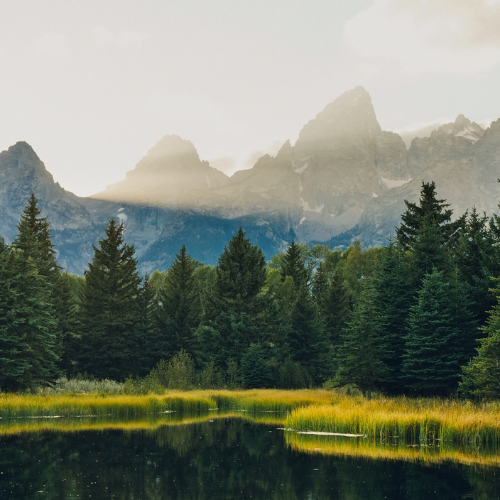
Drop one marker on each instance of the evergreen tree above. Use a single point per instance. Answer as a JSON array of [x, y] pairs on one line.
[[235, 310], [306, 338], [178, 309], [34, 240], [433, 355], [28, 330], [108, 315], [360, 355], [429, 211], [477, 258], [293, 265], [393, 299], [255, 368]]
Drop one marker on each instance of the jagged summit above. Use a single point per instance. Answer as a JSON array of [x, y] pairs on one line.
[[461, 127], [350, 114]]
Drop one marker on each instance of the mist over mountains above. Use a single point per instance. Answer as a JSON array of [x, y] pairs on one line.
[[344, 179]]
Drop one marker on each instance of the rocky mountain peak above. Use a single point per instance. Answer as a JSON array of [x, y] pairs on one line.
[[462, 127], [351, 114]]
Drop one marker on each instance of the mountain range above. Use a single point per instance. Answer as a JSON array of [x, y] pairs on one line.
[[343, 179]]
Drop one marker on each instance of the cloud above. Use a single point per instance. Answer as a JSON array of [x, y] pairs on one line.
[[428, 36], [104, 37]]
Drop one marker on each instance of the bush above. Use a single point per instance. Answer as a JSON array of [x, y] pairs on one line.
[[292, 375]]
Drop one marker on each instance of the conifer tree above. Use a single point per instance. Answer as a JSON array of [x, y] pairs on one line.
[[108, 318], [293, 265], [178, 309], [429, 211], [481, 376], [393, 299], [433, 354], [360, 354], [28, 329], [236, 307]]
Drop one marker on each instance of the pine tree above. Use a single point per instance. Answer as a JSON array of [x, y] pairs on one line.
[[108, 315], [360, 354], [178, 309], [432, 356], [255, 368]]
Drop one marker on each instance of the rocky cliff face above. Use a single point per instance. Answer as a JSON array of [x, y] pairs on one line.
[[345, 178]]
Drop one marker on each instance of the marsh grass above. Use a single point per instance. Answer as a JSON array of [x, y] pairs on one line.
[[420, 421]]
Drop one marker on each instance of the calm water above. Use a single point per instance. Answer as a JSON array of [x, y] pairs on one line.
[[222, 459]]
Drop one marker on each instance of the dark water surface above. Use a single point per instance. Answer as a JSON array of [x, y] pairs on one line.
[[221, 459]]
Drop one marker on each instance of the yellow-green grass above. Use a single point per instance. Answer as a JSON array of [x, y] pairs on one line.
[[376, 450], [124, 406], [12, 405], [421, 421]]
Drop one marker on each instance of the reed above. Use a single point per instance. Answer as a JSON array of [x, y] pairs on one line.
[[422, 421]]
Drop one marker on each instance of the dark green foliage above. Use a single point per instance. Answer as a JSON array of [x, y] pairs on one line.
[[28, 328], [108, 315], [393, 299], [293, 265], [481, 376], [241, 274], [477, 258], [432, 357], [178, 310], [430, 211], [255, 368], [360, 355], [34, 240], [307, 343], [292, 375]]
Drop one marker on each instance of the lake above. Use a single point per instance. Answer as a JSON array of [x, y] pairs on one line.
[[213, 456]]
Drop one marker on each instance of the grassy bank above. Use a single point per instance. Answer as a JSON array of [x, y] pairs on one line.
[[126, 406], [420, 421]]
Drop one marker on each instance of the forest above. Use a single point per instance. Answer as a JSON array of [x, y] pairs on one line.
[[419, 316]]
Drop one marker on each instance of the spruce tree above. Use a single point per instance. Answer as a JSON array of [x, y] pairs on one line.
[[28, 329], [481, 376], [178, 308], [430, 210], [393, 299], [108, 314], [360, 354], [431, 365], [293, 265]]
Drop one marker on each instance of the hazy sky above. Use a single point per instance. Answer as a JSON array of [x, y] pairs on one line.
[[93, 84]]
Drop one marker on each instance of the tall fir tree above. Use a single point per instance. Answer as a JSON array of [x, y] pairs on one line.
[[108, 313], [481, 375], [178, 311], [430, 210], [293, 265], [433, 354], [360, 354], [236, 308]]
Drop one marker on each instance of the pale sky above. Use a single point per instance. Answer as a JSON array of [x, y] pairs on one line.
[[92, 85]]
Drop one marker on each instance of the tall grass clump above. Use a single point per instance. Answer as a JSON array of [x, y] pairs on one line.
[[415, 421]]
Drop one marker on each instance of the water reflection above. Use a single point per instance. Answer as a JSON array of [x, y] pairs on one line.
[[225, 458]]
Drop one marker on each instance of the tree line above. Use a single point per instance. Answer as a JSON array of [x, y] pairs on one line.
[[420, 316]]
